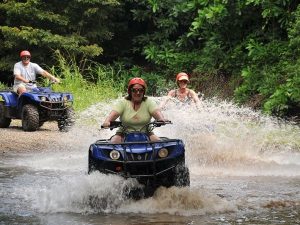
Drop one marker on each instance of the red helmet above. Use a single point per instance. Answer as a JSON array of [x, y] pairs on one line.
[[182, 76], [134, 81], [25, 53]]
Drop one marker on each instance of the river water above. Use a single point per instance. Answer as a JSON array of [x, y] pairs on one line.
[[245, 169]]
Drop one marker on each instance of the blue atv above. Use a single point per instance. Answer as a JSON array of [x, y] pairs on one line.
[[36, 107], [153, 164]]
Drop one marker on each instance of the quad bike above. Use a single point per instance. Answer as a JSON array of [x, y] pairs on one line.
[[35, 107], [153, 164]]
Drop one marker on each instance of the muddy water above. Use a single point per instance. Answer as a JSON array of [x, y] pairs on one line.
[[245, 169]]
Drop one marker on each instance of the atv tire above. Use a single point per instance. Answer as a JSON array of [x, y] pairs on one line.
[[30, 118], [4, 121], [67, 121], [91, 165], [182, 176], [41, 123]]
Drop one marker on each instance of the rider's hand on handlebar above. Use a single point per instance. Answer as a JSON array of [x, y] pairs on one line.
[[164, 120], [55, 80], [105, 125]]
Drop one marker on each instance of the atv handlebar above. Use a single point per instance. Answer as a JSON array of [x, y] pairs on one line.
[[156, 123], [113, 125]]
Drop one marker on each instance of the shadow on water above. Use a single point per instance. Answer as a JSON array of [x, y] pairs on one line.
[[245, 169]]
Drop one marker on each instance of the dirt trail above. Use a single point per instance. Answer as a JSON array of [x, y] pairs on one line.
[[14, 138], [47, 138]]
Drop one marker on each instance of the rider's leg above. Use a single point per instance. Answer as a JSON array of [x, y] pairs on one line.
[[153, 137], [19, 89], [117, 139]]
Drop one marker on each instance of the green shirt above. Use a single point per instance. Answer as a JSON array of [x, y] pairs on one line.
[[135, 120]]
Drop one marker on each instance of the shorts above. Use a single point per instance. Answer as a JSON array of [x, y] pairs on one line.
[[28, 87]]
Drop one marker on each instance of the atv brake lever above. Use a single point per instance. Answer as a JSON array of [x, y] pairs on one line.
[[103, 127], [163, 122]]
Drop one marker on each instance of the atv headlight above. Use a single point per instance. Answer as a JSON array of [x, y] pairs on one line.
[[66, 98], [163, 153], [67, 101], [114, 155], [43, 98]]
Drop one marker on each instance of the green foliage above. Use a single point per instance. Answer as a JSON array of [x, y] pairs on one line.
[[208, 14], [294, 33], [253, 44], [213, 56], [286, 95], [2, 86], [274, 72], [170, 60], [87, 93], [76, 27]]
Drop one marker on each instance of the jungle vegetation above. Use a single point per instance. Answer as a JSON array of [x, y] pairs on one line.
[[246, 50]]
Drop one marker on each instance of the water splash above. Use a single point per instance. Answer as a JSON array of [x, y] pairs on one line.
[[221, 140], [99, 193], [180, 201]]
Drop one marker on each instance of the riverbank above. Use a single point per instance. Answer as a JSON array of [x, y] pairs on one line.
[[15, 139], [47, 138]]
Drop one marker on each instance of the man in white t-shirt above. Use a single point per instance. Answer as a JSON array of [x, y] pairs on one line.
[[25, 72]]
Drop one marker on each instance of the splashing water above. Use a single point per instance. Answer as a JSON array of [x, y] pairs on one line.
[[221, 139]]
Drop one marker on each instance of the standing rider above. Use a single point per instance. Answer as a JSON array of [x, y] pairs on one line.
[[135, 111], [183, 94], [25, 72]]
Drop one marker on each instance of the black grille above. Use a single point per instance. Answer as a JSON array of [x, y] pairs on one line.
[[138, 157], [52, 105]]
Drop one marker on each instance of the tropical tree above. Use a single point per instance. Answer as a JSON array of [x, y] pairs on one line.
[[75, 27]]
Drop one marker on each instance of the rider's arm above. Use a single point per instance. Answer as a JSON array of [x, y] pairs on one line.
[[19, 77], [166, 99], [50, 76], [157, 114], [194, 96], [111, 117], [195, 99]]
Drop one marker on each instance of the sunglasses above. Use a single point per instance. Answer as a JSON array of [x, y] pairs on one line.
[[137, 90], [25, 57], [183, 81]]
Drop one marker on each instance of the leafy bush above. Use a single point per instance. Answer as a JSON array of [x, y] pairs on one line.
[[2, 86], [87, 93], [287, 95]]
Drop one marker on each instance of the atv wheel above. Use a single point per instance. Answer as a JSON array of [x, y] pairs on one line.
[[182, 176], [92, 165], [67, 120], [4, 121], [41, 124], [30, 118]]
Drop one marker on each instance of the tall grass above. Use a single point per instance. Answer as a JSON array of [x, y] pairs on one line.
[[2, 86], [98, 84]]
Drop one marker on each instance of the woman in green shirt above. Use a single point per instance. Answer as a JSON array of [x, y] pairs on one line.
[[135, 111]]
